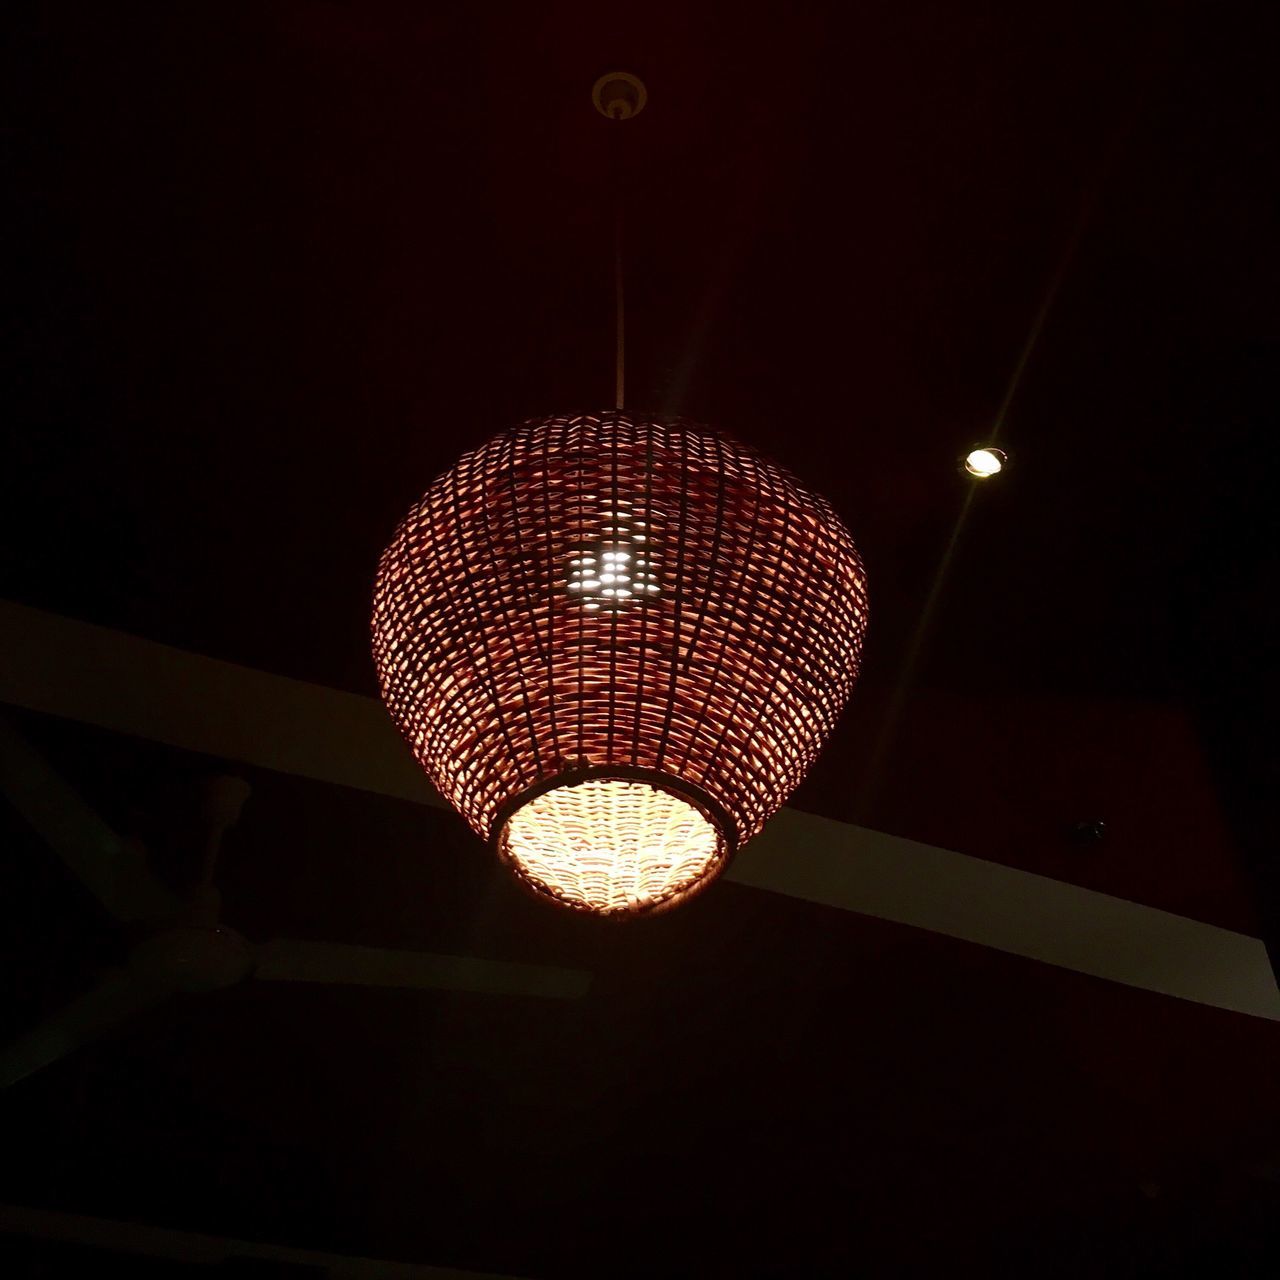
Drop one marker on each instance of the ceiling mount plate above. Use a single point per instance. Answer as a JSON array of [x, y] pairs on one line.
[[619, 95]]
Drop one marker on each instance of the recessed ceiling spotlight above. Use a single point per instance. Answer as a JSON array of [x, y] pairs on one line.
[[985, 462]]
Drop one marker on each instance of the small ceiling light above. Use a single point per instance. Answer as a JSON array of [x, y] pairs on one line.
[[985, 463]]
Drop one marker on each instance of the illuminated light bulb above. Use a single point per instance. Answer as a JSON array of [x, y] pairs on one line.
[[591, 604], [985, 463], [607, 577], [608, 591]]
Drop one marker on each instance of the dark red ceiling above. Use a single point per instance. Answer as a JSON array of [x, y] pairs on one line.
[[281, 263], [278, 264]]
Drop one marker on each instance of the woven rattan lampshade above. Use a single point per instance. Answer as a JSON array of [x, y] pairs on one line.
[[616, 644]]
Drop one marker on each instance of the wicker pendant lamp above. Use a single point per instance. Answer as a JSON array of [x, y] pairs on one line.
[[616, 643]]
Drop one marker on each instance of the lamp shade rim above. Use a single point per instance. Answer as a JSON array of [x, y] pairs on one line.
[[720, 821]]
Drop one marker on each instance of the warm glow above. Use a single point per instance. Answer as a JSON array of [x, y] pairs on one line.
[[984, 463], [605, 575], [591, 598], [610, 845]]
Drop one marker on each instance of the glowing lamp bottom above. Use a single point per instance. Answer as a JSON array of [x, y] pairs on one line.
[[615, 845]]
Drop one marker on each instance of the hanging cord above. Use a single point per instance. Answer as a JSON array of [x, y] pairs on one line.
[[616, 170], [618, 96], [620, 317]]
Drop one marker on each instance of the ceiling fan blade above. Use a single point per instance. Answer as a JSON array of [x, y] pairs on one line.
[[61, 667], [117, 997], [821, 860], [112, 869], [196, 1249], [53, 665], [294, 960]]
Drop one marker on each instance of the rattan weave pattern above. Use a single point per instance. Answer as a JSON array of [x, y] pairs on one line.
[[611, 844], [504, 665]]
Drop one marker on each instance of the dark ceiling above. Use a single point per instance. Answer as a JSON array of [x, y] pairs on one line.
[[278, 264]]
